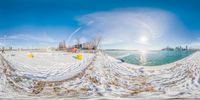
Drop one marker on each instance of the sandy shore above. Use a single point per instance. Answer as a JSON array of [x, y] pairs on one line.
[[109, 78]]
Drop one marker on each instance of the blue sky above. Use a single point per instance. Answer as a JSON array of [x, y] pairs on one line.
[[123, 24]]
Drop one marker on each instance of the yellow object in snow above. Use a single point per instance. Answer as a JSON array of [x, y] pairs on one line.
[[29, 55], [79, 56]]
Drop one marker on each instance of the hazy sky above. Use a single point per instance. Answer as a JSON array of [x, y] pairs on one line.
[[123, 24]]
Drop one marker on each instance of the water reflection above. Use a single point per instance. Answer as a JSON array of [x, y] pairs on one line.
[[149, 57], [143, 57]]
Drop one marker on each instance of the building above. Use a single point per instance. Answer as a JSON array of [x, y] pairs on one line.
[[178, 48], [62, 46], [88, 46]]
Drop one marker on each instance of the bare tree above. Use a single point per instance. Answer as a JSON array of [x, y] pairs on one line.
[[78, 42], [96, 41]]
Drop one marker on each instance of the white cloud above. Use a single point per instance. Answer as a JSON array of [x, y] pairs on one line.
[[195, 44], [123, 28], [27, 40], [28, 37], [1, 44]]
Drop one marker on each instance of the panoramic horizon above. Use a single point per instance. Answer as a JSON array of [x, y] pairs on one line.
[[99, 49], [129, 25]]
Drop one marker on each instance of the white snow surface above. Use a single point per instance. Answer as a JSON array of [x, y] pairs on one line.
[[47, 66], [97, 76]]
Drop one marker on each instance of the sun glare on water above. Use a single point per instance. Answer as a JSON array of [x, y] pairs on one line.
[[143, 56]]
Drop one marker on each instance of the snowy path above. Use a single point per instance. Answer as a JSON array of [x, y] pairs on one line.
[[110, 78]]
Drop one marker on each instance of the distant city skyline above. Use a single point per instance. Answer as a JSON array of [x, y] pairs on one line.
[[123, 24]]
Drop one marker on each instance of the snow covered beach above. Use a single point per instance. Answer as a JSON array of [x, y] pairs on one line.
[[100, 76], [47, 66]]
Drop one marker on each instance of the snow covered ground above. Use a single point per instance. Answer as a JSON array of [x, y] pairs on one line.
[[101, 76], [49, 66]]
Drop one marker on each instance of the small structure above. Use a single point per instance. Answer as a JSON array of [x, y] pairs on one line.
[[29, 55], [74, 50], [86, 46], [79, 56], [3, 50]]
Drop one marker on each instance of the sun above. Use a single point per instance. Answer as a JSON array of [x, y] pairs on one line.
[[143, 39]]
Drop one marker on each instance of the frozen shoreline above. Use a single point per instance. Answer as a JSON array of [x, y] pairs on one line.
[[108, 77]]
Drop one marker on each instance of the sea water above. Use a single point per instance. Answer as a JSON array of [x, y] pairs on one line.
[[149, 58]]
